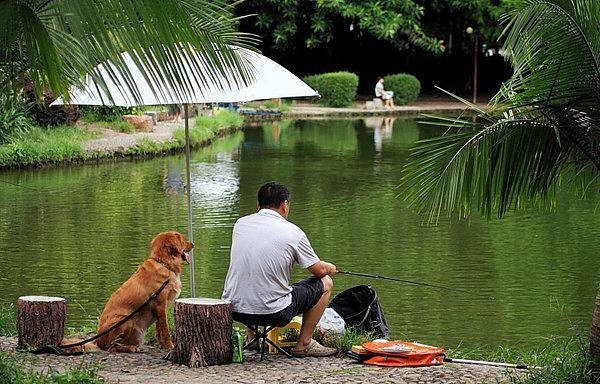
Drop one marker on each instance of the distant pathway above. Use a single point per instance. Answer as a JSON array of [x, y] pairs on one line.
[[306, 110], [149, 367], [120, 142]]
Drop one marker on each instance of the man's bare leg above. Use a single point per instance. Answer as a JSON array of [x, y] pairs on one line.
[[311, 317]]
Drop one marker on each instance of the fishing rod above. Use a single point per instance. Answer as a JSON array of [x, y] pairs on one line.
[[439, 286]]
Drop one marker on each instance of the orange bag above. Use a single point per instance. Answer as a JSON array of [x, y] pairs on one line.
[[403, 354]]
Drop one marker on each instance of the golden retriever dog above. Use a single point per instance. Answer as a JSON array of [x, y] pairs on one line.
[[168, 252]]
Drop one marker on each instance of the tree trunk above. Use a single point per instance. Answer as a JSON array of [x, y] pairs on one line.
[[41, 321], [202, 332], [595, 332]]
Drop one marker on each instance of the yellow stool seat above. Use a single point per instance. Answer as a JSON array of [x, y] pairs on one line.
[[281, 338]]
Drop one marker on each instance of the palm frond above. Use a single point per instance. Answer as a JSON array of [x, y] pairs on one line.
[[541, 131], [59, 41]]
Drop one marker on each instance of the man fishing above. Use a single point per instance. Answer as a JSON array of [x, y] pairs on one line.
[[265, 247]]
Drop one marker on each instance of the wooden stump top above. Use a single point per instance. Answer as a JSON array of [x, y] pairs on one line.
[[47, 299], [203, 301]]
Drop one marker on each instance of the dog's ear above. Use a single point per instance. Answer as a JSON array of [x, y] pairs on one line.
[[171, 246]]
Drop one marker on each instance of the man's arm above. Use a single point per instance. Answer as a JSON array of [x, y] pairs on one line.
[[322, 268]]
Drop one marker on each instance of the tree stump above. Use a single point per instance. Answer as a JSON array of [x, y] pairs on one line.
[[202, 332], [41, 321]]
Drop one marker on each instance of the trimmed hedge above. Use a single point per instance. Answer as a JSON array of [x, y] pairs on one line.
[[337, 89], [406, 87]]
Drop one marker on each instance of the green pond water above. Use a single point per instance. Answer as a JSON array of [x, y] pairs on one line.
[[80, 231]]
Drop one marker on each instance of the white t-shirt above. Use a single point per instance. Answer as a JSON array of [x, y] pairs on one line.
[[264, 248]]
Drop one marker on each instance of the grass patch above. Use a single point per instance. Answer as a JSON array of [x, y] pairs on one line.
[[12, 372], [208, 127], [8, 321], [45, 145], [343, 343], [561, 360]]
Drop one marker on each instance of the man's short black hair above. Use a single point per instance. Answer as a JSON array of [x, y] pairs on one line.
[[272, 195]]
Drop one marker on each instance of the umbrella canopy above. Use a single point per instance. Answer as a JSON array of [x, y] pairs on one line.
[[267, 80]]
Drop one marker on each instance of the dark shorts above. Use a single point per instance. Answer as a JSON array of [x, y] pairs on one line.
[[305, 295]]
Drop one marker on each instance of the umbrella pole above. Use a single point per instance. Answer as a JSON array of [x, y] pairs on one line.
[[189, 199]]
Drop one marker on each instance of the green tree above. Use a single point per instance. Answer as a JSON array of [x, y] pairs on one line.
[[540, 133], [447, 17], [314, 23], [53, 43]]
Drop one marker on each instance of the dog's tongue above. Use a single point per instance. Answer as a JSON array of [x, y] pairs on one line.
[[187, 256]]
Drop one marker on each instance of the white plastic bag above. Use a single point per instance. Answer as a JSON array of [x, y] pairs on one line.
[[331, 323]]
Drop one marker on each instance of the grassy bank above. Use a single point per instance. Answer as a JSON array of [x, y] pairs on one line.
[[11, 371], [45, 145], [63, 144], [559, 360]]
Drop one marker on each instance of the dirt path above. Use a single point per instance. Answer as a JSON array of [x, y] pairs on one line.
[[120, 142]]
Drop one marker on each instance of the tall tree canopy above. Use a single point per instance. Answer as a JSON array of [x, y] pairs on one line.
[[313, 23]]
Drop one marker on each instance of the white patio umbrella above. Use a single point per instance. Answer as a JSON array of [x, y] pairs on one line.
[[267, 80]]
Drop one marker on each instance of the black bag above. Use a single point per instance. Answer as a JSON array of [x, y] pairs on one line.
[[359, 307]]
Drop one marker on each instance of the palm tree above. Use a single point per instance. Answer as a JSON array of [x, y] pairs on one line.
[[541, 131], [52, 44]]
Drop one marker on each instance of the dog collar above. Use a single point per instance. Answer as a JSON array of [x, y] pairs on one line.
[[163, 264]]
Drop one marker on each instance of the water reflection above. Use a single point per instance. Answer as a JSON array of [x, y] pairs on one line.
[[80, 231]]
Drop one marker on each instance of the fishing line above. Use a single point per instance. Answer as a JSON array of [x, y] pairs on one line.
[[431, 285]]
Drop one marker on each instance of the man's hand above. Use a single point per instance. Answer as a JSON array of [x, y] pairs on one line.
[[332, 269], [322, 268]]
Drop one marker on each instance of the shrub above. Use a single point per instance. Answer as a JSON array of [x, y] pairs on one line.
[[45, 115], [406, 87], [94, 114], [14, 121], [337, 89]]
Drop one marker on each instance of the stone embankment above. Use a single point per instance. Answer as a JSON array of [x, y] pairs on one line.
[[150, 367]]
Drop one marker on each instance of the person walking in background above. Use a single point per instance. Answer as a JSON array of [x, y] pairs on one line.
[[386, 96]]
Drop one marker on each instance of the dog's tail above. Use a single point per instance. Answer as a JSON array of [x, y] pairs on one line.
[[85, 348]]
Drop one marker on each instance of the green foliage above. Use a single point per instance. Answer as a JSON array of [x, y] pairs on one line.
[[8, 321], [285, 23], [110, 117], [45, 145], [14, 120], [557, 360], [542, 129], [54, 43], [93, 114], [443, 17], [12, 372], [337, 89], [207, 127], [406, 87], [343, 343]]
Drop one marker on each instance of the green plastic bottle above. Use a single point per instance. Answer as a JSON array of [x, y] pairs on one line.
[[237, 346]]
